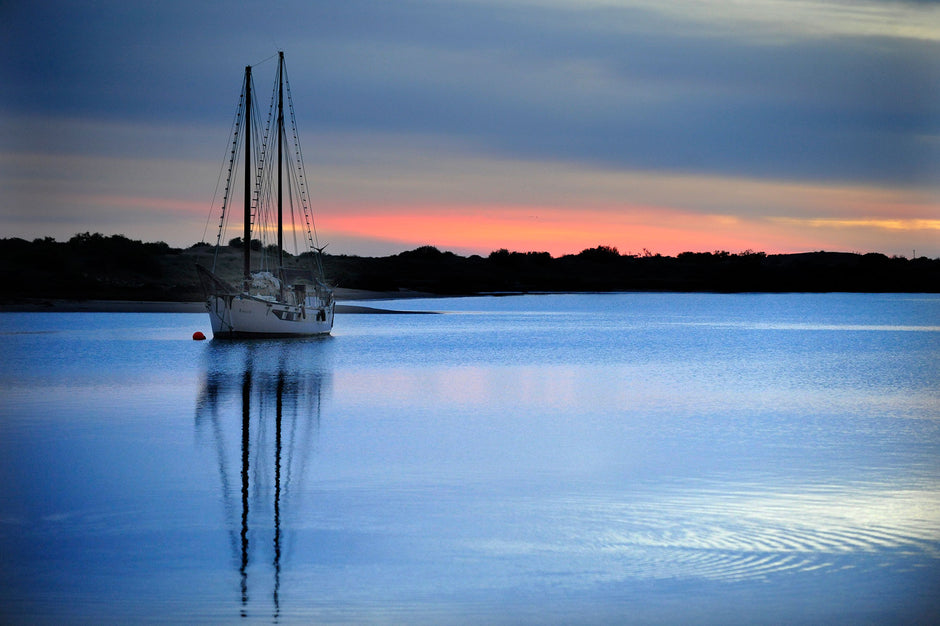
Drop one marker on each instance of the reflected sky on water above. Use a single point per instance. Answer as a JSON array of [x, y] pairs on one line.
[[581, 459]]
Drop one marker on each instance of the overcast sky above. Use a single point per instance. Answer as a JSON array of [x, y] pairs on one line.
[[776, 125]]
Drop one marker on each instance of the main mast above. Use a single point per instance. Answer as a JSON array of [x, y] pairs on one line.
[[246, 240]]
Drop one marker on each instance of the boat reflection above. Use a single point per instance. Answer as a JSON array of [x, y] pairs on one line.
[[259, 409]]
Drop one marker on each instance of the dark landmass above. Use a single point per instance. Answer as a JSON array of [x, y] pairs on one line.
[[114, 268]]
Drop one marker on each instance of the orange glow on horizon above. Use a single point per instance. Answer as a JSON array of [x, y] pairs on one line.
[[556, 231]]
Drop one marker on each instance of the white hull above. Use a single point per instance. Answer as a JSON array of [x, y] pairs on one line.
[[234, 316]]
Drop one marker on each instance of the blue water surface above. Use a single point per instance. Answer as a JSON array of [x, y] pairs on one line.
[[592, 458]]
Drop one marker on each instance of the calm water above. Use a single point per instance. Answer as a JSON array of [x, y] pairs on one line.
[[651, 458]]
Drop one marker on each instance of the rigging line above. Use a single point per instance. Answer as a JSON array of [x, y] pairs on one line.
[[315, 260], [232, 130], [258, 160], [268, 210], [233, 164], [296, 185], [263, 61], [304, 193], [226, 201], [293, 220], [266, 186], [298, 178], [298, 173]]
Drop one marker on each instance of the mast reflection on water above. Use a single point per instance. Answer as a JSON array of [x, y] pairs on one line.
[[259, 409]]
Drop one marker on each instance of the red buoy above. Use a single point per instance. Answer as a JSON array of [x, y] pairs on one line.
[[198, 336]]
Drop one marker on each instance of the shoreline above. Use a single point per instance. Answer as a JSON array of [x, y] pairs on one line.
[[61, 305]]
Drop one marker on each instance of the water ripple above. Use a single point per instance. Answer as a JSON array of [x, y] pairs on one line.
[[732, 536]]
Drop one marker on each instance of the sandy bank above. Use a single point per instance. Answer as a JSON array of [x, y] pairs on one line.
[[53, 305], [101, 306]]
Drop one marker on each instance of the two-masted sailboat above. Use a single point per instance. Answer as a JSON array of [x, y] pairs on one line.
[[274, 300]]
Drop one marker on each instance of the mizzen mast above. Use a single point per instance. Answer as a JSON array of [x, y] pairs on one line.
[[246, 240], [280, 156]]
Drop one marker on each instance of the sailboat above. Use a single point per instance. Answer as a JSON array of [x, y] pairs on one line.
[[273, 300]]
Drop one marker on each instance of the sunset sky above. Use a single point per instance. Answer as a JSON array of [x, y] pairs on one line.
[[473, 125]]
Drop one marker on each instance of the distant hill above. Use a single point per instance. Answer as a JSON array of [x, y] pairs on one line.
[[102, 267]]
